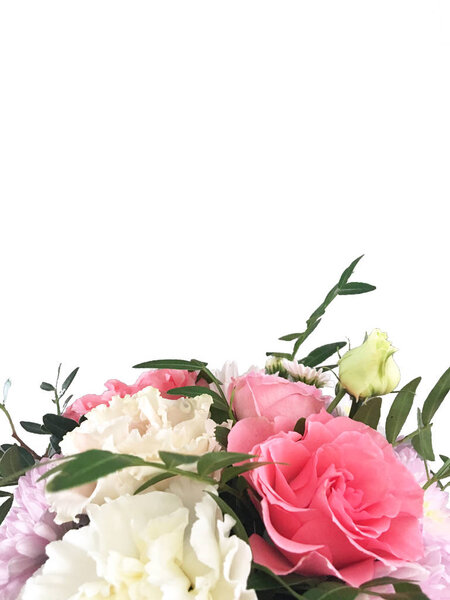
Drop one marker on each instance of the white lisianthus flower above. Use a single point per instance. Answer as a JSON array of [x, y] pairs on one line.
[[164, 545], [141, 425]]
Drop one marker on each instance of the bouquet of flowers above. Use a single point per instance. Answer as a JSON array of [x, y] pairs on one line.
[[197, 484]]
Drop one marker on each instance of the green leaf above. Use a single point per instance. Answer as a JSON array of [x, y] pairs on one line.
[[174, 459], [222, 434], [408, 591], [422, 442], [436, 397], [232, 472], [347, 273], [5, 508], [280, 580], [34, 428], [171, 363], [369, 412], [59, 425], [321, 353], [191, 391], [5, 494], [239, 529], [400, 410], [356, 287], [332, 591], [280, 354], [213, 461], [300, 426], [48, 387], [89, 466], [69, 379], [15, 460], [316, 316], [152, 481]]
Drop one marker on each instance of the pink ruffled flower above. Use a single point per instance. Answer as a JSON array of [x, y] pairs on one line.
[[270, 403], [337, 501], [25, 533], [161, 379]]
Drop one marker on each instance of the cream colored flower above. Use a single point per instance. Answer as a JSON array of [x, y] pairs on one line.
[[141, 425], [171, 545]]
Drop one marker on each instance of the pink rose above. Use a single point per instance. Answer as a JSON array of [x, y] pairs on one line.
[[162, 379], [272, 403], [341, 503]]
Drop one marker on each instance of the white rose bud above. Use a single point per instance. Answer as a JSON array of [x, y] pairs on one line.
[[369, 369]]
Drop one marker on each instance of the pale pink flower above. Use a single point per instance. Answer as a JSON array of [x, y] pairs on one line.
[[25, 533]]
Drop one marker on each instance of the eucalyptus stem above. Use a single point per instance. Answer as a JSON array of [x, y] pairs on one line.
[[16, 436]]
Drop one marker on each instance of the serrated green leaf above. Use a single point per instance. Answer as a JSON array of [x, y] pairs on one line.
[[5, 508], [436, 397], [321, 353], [213, 461], [69, 379], [355, 287], [369, 413], [400, 410]]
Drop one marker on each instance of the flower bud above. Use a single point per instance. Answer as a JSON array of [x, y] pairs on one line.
[[369, 369]]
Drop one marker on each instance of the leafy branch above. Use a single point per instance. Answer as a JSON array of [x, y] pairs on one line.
[[342, 288]]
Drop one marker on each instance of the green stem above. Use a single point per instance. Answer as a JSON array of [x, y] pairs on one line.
[[340, 394]]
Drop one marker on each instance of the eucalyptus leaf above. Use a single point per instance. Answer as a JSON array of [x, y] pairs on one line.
[[400, 410], [5, 508], [436, 397], [58, 425], [69, 379], [34, 428], [47, 387]]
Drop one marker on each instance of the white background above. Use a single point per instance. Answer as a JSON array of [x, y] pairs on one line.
[[188, 179]]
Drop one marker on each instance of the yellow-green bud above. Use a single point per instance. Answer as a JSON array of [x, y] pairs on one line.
[[369, 369]]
